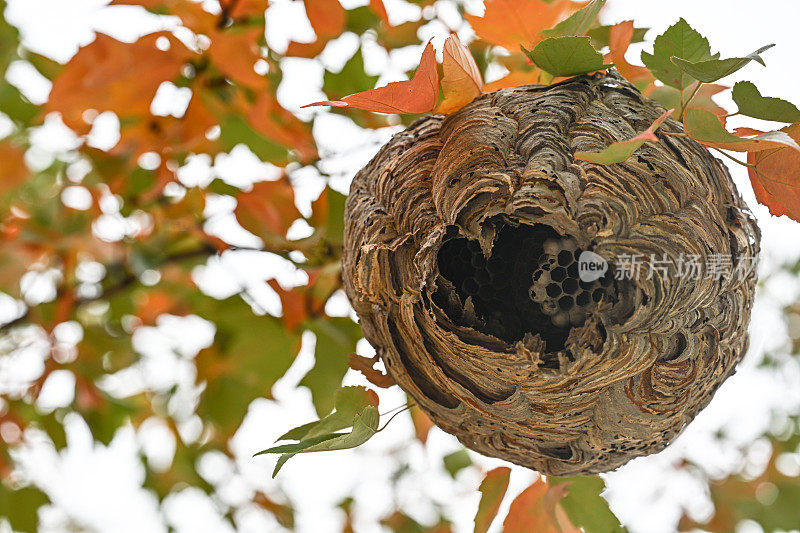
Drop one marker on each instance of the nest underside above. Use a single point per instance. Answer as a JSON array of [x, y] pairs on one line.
[[462, 238]]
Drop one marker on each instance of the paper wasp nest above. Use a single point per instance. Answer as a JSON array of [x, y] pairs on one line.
[[463, 241]]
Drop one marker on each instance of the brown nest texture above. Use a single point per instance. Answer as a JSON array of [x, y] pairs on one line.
[[462, 244]]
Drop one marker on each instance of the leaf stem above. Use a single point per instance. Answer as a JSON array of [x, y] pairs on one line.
[[686, 103], [404, 408], [748, 165]]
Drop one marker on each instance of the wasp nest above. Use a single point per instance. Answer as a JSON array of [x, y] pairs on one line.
[[464, 246]]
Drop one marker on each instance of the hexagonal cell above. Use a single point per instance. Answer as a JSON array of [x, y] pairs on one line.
[[583, 298], [553, 290], [572, 270], [570, 285]]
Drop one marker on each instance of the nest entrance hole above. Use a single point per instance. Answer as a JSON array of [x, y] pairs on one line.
[[498, 287]]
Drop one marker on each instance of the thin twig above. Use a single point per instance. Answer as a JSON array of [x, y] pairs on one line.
[[119, 286]]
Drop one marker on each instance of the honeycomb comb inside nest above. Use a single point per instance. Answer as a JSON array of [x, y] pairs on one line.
[[463, 239]]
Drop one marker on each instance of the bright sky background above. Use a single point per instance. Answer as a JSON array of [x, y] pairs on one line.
[[100, 487]]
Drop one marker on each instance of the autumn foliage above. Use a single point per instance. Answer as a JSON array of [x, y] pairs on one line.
[[112, 285]]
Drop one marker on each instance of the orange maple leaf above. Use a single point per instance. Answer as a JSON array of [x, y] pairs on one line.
[[168, 134], [619, 40], [417, 95], [775, 176], [268, 209], [537, 509], [515, 78], [110, 75], [462, 81], [511, 23], [244, 8], [380, 10], [365, 365], [274, 122], [235, 54], [15, 171], [328, 18], [294, 304]]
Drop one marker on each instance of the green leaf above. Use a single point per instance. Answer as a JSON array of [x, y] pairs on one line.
[[601, 35], [14, 104], [705, 127], [365, 425], [456, 462], [234, 130], [350, 80], [329, 220], [336, 337], [493, 490], [679, 40], [752, 104], [20, 507], [250, 353], [348, 402], [714, 69], [620, 151], [577, 23], [584, 505], [566, 56], [9, 41]]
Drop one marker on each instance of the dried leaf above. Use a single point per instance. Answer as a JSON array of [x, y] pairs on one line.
[[462, 81], [417, 95]]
